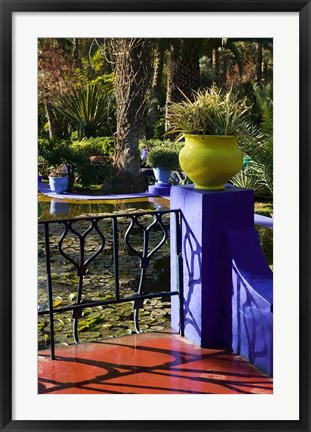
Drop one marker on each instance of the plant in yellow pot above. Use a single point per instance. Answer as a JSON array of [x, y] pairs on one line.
[[211, 125]]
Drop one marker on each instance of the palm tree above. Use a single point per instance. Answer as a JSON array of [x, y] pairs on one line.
[[53, 71], [131, 62], [155, 91], [183, 69]]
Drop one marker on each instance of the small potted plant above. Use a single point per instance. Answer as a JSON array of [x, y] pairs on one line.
[[163, 161], [211, 125], [58, 179]]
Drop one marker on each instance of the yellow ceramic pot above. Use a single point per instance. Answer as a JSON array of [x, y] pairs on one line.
[[210, 160]]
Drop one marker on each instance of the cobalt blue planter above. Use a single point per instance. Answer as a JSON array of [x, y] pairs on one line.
[[58, 184], [162, 175]]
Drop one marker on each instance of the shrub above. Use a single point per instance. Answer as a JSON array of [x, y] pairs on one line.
[[90, 174], [164, 158], [87, 173], [100, 146], [57, 152], [52, 153], [148, 144]]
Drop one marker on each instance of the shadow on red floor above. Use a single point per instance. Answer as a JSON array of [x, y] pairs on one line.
[[154, 363]]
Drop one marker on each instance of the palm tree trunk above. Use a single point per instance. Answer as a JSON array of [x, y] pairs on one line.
[[183, 70], [259, 64], [154, 97], [131, 63], [158, 65], [215, 64], [76, 53], [50, 119], [224, 70]]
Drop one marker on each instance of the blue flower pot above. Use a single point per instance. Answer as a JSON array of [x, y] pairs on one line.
[[58, 184], [162, 175]]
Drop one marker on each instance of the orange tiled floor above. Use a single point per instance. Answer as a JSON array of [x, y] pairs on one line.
[[147, 363]]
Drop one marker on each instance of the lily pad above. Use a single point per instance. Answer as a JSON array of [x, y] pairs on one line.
[[90, 335], [158, 312], [157, 328]]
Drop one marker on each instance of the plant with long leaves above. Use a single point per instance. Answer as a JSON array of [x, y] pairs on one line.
[[212, 112], [263, 156], [263, 162], [251, 178], [86, 108]]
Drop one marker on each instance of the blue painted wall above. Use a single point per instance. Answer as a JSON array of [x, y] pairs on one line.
[[227, 285]]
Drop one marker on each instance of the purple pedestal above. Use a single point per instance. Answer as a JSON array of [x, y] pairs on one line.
[[161, 189], [216, 228]]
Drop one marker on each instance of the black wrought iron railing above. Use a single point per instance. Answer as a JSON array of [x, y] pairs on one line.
[[141, 234]]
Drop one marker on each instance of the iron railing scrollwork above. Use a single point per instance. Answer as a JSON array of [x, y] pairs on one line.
[[81, 262]]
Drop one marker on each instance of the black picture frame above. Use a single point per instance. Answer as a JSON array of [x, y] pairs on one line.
[[6, 171]]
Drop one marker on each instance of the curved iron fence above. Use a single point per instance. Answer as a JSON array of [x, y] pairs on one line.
[[80, 258]]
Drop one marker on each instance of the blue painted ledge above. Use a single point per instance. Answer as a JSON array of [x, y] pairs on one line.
[[45, 189], [263, 221], [252, 300]]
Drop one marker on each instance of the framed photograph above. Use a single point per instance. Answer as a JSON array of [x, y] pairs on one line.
[[24, 25]]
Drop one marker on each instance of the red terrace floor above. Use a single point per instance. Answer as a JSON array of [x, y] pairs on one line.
[[160, 363]]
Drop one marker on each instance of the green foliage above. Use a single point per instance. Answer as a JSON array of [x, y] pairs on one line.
[[149, 144], [250, 178], [87, 173], [86, 108], [263, 156], [43, 129], [61, 124], [259, 175], [106, 81], [264, 101], [213, 112], [159, 127], [251, 138], [97, 60], [57, 152], [100, 146], [54, 152], [93, 174], [263, 163], [163, 157], [253, 177]]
